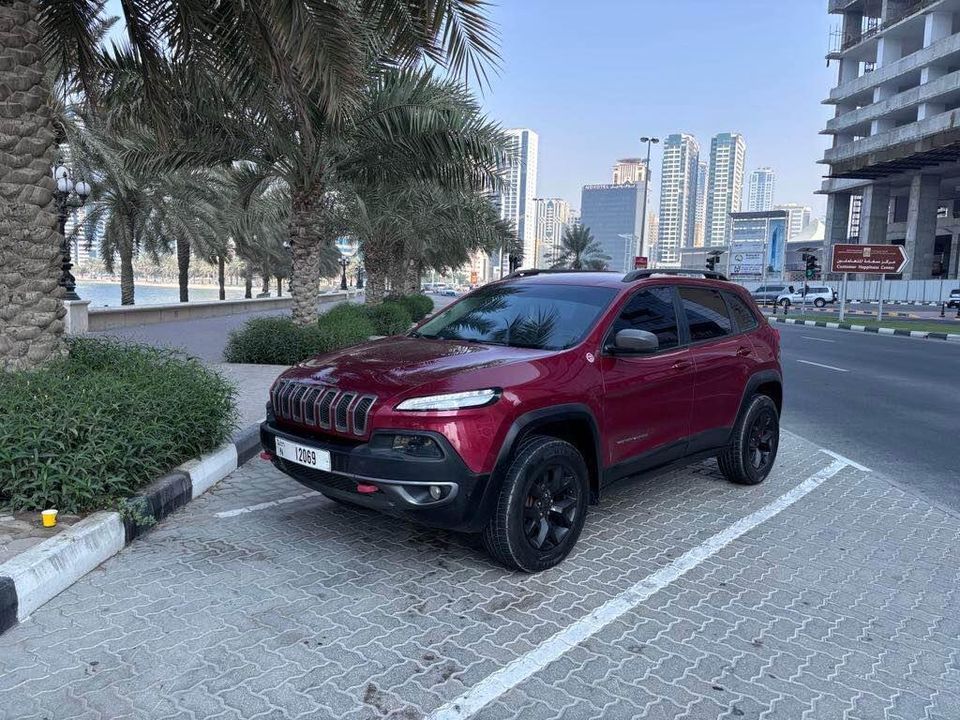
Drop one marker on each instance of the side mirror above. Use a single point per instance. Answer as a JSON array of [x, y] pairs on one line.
[[635, 341]]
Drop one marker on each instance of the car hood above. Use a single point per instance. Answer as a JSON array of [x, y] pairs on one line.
[[398, 364]]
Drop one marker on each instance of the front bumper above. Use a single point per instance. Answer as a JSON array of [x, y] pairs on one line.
[[402, 481]]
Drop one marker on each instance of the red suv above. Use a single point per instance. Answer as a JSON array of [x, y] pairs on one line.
[[510, 411]]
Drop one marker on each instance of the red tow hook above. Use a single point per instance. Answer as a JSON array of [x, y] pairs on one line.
[[266, 455], [365, 489]]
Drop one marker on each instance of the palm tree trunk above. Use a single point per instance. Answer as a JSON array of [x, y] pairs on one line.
[[220, 278], [126, 274], [280, 289], [183, 268], [31, 325], [247, 281], [266, 284], [305, 251], [376, 260]]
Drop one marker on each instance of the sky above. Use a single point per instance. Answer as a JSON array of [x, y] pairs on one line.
[[593, 76]]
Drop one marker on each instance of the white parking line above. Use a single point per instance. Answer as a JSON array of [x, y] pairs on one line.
[[265, 505], [810, 337], [828, 367], [848, 461], [514, 673]]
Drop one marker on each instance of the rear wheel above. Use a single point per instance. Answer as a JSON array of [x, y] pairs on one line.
[[541, 508], [752, 450], [785, 302]]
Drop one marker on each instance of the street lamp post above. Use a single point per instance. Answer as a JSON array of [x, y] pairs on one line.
[[344, 260], [646, 191], [69, 194]]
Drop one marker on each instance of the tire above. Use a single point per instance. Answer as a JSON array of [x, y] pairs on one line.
[[819, 302], [785, 302], [738, 461], [541, 466]]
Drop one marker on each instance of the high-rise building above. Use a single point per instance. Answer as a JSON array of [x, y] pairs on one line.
[[700, 212], [515, 199], [614, 214], [798, 217], [760, 194], [678, 195], [894, 131], [630, 170], [552, 217], [653, 233], [724, 185]]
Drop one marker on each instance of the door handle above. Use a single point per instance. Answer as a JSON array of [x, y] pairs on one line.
[[743, 351], [680, 365]]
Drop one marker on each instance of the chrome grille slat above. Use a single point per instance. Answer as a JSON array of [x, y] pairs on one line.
[[361, 412], [342, 411], [322, 406]]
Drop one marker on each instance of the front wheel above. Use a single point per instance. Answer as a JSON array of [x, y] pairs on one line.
[[785, 302], [819, 302], [541, 508], [752, 449]]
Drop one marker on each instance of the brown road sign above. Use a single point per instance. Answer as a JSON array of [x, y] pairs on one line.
[[868, 259]]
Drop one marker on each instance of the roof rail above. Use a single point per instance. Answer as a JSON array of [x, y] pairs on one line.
[[530, 272], [681, 272]]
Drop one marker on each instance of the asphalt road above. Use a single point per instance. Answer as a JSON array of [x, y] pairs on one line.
[[890, 403]]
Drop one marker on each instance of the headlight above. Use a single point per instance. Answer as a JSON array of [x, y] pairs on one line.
[[452, 401]]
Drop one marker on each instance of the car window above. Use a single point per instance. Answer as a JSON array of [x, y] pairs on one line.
[[745, 319], [706, 313], [651, 310], [541, 316]]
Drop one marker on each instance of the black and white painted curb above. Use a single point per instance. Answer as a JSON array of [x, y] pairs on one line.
[[955, 337], [40, 573]]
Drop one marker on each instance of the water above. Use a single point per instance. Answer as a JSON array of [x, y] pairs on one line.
[[107, 294]]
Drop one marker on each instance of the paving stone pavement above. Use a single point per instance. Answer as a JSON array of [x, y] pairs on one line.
[[845, 605]]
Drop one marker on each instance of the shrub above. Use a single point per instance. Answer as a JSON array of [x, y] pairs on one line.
[[345, 324], [418, 305], [90, 429], [273, 341], [389, 318]]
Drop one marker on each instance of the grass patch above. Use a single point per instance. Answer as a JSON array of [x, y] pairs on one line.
[[86, 431]]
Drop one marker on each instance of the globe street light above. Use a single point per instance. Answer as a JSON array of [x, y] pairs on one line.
[[347, 250], [68, 195], [646, 188]]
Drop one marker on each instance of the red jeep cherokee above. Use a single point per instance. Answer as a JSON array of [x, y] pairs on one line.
[[509, 411]]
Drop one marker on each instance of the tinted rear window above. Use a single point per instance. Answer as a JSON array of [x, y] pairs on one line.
[[706, 314], [742, 314]]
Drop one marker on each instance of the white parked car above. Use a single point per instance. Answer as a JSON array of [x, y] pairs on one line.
[[816, 295]]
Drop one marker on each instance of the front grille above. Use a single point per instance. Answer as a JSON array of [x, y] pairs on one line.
[[322, 406]]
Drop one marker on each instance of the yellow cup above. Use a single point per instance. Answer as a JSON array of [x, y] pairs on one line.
[[49, 518]]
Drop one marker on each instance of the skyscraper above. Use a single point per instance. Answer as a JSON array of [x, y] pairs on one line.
[[515, 200], [678, 191], [798, 217], [760, 194], [724, 186], [552, 216], [630, 170], [614, 214], [700, 215]]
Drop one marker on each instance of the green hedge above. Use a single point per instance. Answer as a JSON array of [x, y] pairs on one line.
[[90, 429], [279, 341], [418, 305]]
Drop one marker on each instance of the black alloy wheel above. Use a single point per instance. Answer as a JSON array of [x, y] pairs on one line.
[[752, 448], [550, 509], [762, 441]]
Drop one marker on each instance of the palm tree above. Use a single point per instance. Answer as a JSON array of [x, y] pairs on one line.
[[302, 61], [579, 251]]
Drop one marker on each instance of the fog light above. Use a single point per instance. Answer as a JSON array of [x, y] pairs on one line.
[[417, 445], [436, 492]]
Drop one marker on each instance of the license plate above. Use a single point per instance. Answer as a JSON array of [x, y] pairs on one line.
[[303, 455]]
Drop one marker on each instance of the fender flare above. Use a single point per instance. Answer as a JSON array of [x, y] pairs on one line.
[[761, 377], [526, 424]]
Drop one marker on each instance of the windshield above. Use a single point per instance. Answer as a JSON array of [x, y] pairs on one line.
[[545, 317]]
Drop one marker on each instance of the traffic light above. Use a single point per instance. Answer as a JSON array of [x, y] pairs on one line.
[[812, 266], [712, 263]]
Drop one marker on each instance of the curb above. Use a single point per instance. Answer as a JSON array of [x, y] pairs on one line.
[[951, 337], [41, 573]]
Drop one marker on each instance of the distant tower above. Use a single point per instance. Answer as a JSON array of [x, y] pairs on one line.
[[515, 200], [630, 170], [760, 194], [678, 195], [725, 185]]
